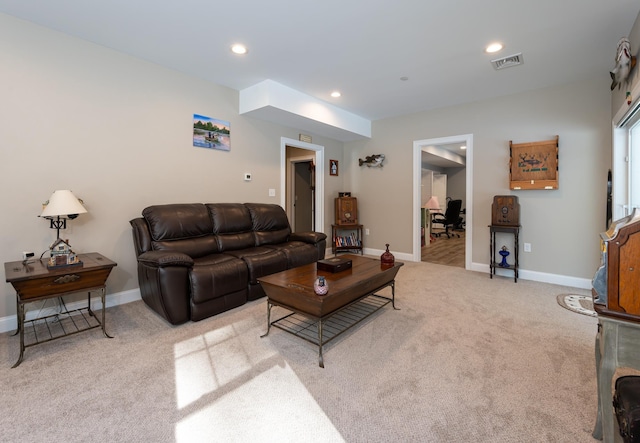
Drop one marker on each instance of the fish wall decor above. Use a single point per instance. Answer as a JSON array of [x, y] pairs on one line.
[[625, 62], [372, 161]]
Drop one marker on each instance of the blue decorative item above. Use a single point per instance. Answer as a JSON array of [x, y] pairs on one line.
[[504, 252]]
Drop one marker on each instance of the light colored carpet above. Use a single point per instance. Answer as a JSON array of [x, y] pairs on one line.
[[466, 359]]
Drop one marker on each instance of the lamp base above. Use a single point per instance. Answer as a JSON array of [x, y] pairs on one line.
[[72, 265]]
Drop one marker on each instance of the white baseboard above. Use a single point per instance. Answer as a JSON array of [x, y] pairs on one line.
[[50, 306], [563, 280]]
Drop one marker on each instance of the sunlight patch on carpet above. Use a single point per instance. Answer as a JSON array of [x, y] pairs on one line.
[[273, 406], [581, 304], [207, 362]]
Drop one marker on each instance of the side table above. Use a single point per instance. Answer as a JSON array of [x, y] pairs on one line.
[[346, 243], [515, 230], [34, 281]]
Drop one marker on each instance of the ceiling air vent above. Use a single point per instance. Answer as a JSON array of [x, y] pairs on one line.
[[508, 61]]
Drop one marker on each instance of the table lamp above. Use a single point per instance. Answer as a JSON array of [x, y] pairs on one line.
[[433, 205], [62, 205]]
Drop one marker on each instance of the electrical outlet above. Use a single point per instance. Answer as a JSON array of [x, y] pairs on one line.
[[366, 231], [272, 192], [527, 247]]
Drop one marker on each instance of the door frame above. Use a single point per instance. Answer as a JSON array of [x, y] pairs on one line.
[[319, 160], [418, 145]]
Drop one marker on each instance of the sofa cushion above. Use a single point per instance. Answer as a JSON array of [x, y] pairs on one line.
[[261, 261], [297, 253], [269, 223], [217, 276], [232, 225], [185, 228]]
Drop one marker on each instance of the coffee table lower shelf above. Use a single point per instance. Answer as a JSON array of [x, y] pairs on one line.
[[321, 331]]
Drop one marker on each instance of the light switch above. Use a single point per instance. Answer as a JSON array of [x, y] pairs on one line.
[[272, 192]]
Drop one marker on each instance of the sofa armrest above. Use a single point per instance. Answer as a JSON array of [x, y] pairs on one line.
[[308, 237], [165, 258]]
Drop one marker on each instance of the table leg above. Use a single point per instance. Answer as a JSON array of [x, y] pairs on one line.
[[320, 358], [492, 254], [104, 306], [393, 295], [21, 329], [269, 305]]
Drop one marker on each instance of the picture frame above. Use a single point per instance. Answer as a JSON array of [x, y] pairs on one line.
[[534, 165], [333, 167], [211, 133]]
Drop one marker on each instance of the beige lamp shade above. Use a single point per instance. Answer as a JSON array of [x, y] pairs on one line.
[[63, 203], [433, 204]]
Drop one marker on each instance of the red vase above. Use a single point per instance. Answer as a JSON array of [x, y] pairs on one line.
[[387, 257]]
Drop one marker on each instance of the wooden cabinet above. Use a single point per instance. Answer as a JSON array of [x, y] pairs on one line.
[[621, 263], [616, 299]]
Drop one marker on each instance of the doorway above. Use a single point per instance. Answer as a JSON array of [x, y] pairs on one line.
[[425, 145], [302, 190], [291, 152]]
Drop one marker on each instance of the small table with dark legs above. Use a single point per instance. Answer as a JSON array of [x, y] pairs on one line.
[[33, 281], [515, 230], [352, 292]]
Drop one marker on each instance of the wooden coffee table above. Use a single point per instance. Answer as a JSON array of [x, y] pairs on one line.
[[318, 319]]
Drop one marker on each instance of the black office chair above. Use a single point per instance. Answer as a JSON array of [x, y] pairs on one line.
[[450, 220]]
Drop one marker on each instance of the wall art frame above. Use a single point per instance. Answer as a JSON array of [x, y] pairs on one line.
[[534, 165], [333, 167], [211, 133]]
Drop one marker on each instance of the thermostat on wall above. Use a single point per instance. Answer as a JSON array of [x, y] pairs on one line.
[[247, 176]]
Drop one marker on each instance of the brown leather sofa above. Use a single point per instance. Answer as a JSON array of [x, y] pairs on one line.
[[198, 260]]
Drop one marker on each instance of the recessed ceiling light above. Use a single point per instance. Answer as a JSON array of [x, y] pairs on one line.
[[493, 47], [335, 94], [239, 49], [463, 147]]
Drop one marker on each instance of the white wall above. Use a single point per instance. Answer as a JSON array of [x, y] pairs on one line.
[[118, 132], [562, 225], [457, 184]]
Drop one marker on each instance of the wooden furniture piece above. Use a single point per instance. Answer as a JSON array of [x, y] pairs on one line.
[[534, 165], [616, 299], [319, 318], [346, 211], [515, 230], [620, 246], [34, 282], [346, 243], [505, 210]]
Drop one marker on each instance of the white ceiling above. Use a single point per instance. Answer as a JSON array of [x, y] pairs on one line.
[[361, 47], [444, 156]]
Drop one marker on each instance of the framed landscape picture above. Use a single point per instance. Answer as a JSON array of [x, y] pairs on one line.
[[211, 133], [534, 165]]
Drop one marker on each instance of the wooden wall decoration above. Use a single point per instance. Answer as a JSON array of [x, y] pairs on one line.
[[534, 165]]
